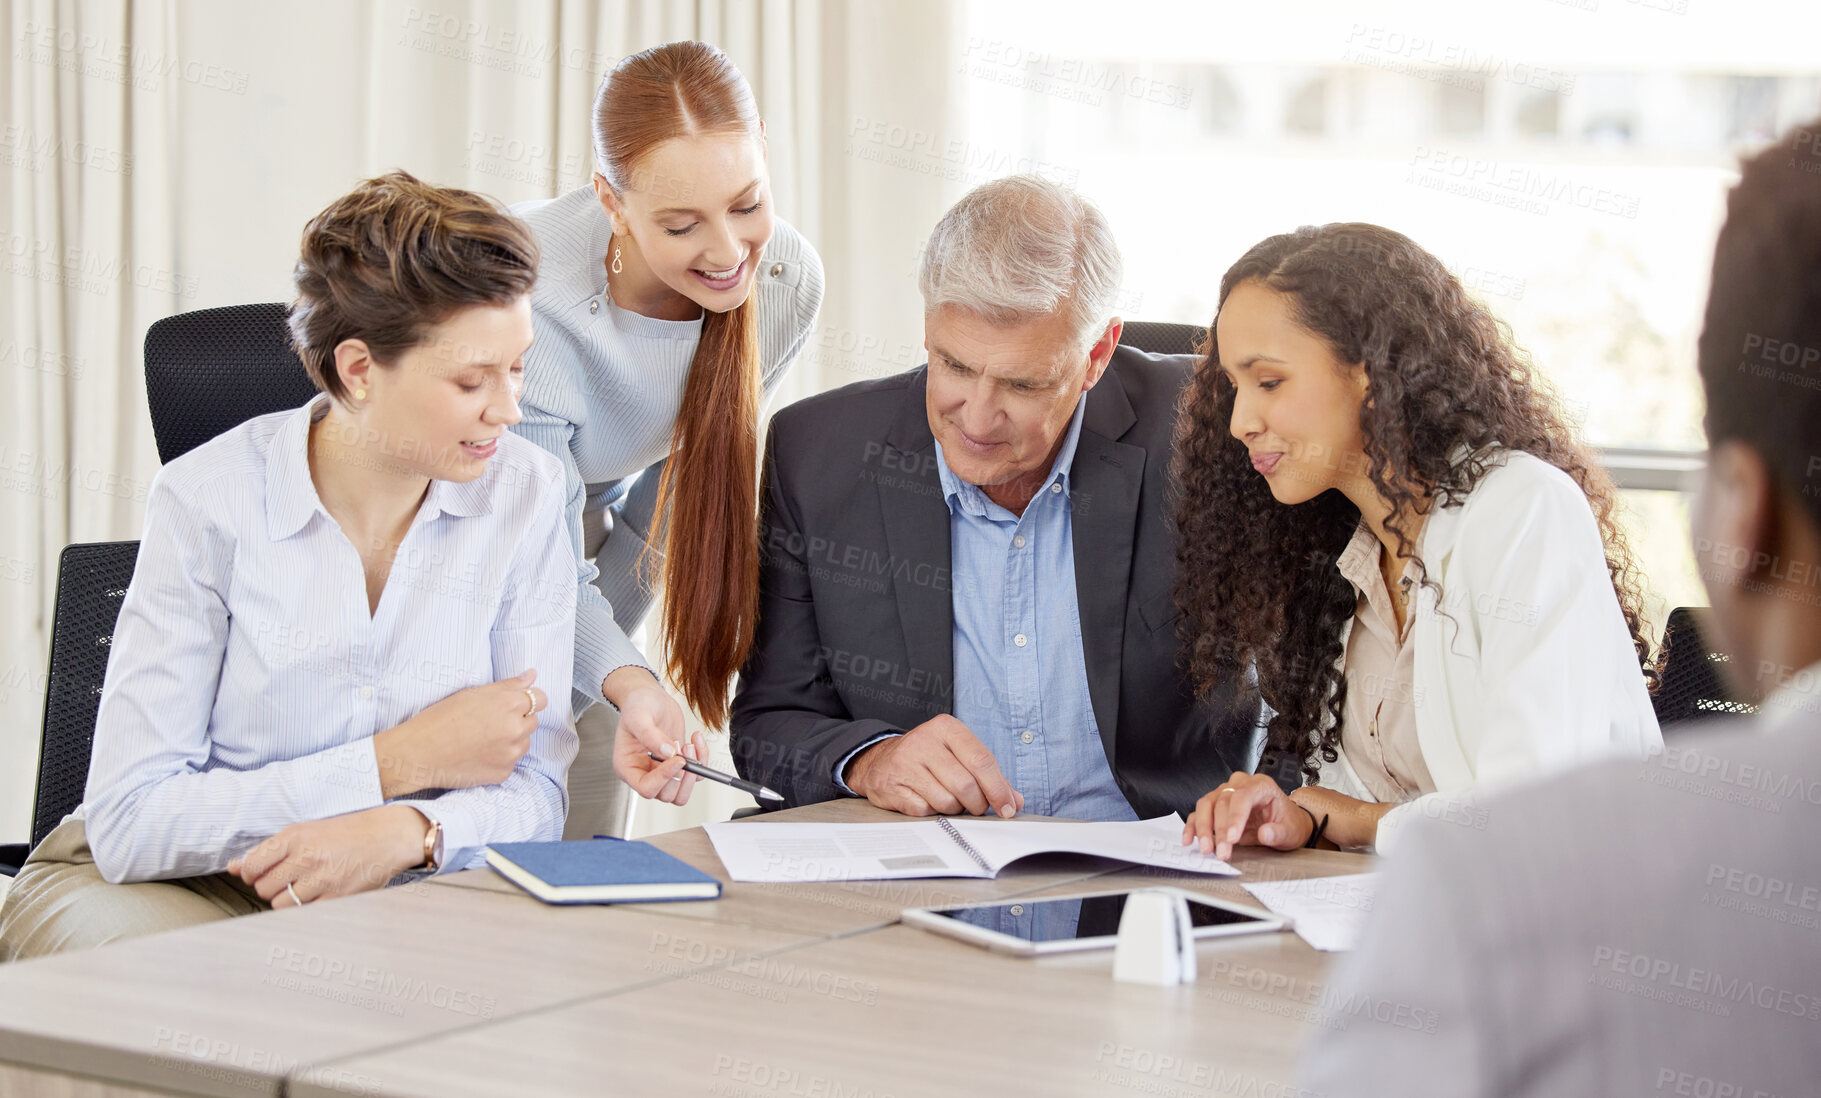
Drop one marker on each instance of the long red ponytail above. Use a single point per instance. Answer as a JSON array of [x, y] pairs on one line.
[[706, 527]]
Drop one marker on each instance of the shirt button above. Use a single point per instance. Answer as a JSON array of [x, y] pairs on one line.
[[1018, 640], [777, 269], [1018, 541], [366, 691], [1055, 488], [1017, 909], [1027, 736], [594, 306]]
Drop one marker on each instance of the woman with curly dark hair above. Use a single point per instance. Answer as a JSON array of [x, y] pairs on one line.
[[1385, 510]]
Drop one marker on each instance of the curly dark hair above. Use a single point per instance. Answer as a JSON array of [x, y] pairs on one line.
[[1257, 580]]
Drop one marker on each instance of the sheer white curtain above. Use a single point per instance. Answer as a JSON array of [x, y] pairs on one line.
[[163, 156], [92, 258]]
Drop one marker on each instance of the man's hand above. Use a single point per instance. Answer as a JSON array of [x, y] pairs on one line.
[[472, 737], [338, 856], [937, 767]]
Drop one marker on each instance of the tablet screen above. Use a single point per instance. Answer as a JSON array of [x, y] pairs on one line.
[[1076, 917]]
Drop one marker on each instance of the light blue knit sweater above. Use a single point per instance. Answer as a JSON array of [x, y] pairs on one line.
[[602, 390]]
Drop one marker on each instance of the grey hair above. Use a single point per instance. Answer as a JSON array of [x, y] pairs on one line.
[[1020, 248]]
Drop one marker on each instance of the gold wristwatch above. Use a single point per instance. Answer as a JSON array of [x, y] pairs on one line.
[[432, 837]]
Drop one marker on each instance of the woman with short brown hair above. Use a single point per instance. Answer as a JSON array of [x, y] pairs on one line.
[[331, 666]]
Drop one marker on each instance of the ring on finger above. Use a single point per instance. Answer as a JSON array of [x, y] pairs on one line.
[[530, 702], [292, 892]]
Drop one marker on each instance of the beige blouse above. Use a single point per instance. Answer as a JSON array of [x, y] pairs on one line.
[[1378, 730]]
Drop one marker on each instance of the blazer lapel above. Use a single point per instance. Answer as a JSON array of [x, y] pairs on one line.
[[917, 533], [1438, 729], [1105, 482]]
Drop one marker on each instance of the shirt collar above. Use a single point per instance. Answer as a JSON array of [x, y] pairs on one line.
[[1359, 559], [291, 495], [959, 494], [1358, 562], [464, 499]]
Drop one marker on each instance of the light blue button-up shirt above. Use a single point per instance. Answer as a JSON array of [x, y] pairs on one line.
[[1021, 681], [247, 677]]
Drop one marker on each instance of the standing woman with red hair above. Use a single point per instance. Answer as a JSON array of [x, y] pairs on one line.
[[669, 303]]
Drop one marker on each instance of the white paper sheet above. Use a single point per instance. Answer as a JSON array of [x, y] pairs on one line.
[[776, 852], [1155, 842], [838, 852], [1329, 912]]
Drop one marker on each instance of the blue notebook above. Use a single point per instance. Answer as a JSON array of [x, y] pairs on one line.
[[600, 871]]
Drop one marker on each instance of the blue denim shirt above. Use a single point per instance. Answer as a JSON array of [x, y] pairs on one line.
[[1021, 682]]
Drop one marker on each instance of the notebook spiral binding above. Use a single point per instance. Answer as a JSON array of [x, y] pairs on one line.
[[955, 834]]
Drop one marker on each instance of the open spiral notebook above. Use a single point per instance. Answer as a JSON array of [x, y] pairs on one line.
[[756, 851]]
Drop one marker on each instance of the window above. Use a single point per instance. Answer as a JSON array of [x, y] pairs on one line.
[[1570, 167]]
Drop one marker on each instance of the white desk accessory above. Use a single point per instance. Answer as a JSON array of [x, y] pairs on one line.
[[1156, 945]]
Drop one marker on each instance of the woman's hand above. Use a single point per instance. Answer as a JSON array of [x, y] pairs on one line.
[[651, 723], [472, 737], [338, 856], [1246, 810], [657, 781]]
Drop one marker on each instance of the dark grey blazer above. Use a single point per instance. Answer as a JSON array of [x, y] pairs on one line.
[[855, 630]]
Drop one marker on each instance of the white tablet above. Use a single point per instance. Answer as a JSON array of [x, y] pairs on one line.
[[1062, 924]]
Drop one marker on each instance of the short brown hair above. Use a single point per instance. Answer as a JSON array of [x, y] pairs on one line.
[[394, 257], [1760, 347]]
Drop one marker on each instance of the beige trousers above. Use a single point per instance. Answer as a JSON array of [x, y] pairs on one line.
[[60, 902]]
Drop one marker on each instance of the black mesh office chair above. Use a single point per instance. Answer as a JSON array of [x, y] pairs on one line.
[[1163, 337], [211, 370], [1692, 686], [206, 372], [91, 581]]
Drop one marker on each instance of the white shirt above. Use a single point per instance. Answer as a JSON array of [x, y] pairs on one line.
[[1526, 667], [247, 678]]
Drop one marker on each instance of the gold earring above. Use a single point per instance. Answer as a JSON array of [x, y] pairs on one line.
[[360, 394], [616, 261]]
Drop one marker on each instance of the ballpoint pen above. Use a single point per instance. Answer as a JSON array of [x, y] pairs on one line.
[[758, 791]]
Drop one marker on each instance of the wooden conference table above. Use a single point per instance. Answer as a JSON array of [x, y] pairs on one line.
[[463, 985]]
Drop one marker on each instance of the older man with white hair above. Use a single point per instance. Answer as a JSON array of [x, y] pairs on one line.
[[967, 572]]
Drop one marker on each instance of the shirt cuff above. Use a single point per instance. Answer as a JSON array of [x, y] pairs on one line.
[[637, 663], [841, 767], [459, 846]]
